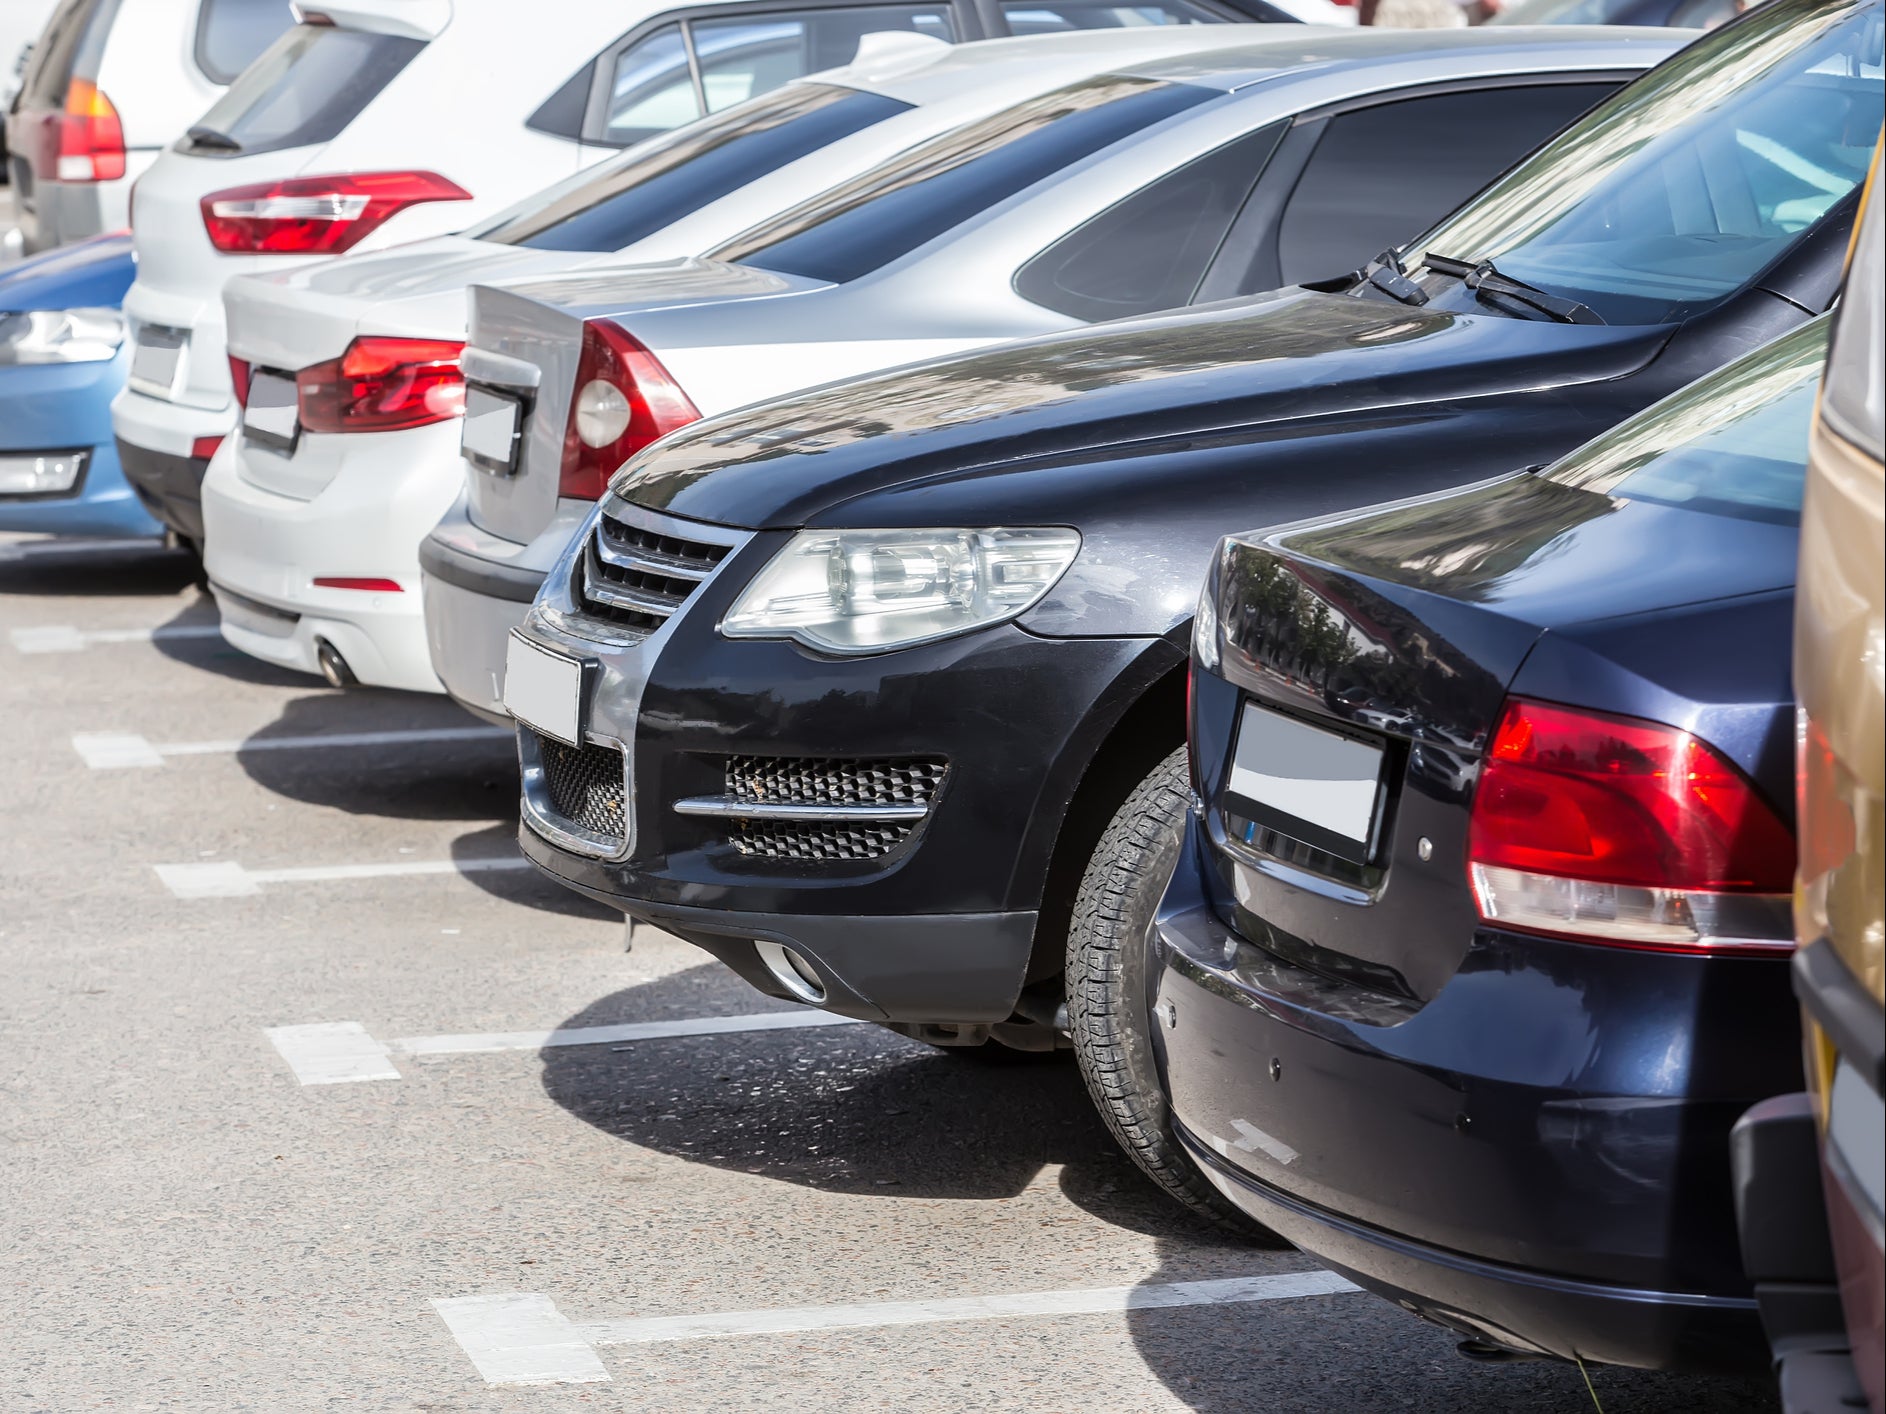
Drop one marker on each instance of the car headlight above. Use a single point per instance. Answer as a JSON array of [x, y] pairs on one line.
[[60, 335], [1205, 626], [869, 591]]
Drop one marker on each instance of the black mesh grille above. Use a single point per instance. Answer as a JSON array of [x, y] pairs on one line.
[[821, 780], [780, 839], [658, 572], [585, 786]]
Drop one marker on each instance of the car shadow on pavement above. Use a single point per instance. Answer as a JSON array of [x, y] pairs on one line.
[[58, 573], [851, 1109], [528, 887]]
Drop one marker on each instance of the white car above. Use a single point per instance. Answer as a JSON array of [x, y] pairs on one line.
[[382, 121], [1298, 156], [109, 85], [315, 512]]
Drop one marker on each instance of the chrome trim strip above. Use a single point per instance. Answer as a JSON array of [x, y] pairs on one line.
[[722, 806], [649, 561], [620, 595]]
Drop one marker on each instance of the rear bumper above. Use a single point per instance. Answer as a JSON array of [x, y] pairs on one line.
[[61, 407], [1538, 1155], [168, 486]]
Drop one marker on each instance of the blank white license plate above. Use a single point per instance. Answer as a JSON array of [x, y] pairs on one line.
[[271, 416], [1313, 785], [544, 689], [154, 361], [492, 423]]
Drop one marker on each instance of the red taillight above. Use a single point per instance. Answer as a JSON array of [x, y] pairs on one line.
[[82, 142], [317, 215], [203, 448], [239, 376], [1822, 811], [367, 582], [382, 384], [624, 400], [1619, 830]]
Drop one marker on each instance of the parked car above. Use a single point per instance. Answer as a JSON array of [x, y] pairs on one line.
[[1810, 1192], [1480, 1048], [62, 356], [1686, 14], [386, 122], [1161, 185], [20, 24], [347, 500], [878, 664], [108, 87]]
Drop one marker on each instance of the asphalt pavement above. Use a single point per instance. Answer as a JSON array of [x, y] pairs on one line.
[[314, 1097]]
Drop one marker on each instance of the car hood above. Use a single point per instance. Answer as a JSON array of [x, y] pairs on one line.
[[1239, 369], [91, 274]]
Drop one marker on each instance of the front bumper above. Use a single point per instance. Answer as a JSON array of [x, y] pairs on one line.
[[929, 923], [59, 407], [263, 551], [1538, 1156], [477, 588]]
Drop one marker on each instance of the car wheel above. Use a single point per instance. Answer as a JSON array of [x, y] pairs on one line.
[[1109, 988]]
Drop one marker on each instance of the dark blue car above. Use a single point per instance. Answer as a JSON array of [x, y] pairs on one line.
[[63, 357], [1477, 942]]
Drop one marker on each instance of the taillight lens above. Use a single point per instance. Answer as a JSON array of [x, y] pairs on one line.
[[239, 376], [381, 384], [1612, 829], [317, 215], [82, 142], [624, 400]]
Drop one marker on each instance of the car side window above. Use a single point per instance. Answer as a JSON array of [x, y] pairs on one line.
[[1360, 193], [231, 34], [1149, 252], [1060, 16], [685, 70]]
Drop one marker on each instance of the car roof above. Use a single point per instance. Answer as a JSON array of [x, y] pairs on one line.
[[1295, 49], [926, 72]]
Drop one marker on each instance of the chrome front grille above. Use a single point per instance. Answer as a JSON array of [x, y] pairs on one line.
[[821, 808], [636, 575]]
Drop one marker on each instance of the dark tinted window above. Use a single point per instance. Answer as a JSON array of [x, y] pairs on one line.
[[891, 210], [71, 46], [1060, 16], [1382, 175], [304, 90], [231, 34], [1150, 251], [677, 175]]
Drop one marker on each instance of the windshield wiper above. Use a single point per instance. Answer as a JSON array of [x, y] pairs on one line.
[[1481, 275], [210, 137], [1385, 274]]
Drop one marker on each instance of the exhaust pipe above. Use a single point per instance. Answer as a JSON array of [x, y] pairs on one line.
[[333, 667], [791, 970]]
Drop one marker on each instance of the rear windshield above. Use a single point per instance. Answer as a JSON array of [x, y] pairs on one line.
[[1689, 182], [659, 182], [304, 90], [888, 212], [71, 46], [231, 34], [1733, 443]]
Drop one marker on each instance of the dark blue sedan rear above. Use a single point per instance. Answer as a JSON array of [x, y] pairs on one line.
[[1478, 945]]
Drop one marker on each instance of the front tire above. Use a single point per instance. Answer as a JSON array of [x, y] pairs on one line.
[[1109, 989]]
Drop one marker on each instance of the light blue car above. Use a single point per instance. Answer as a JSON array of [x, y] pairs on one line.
[[63, 357]]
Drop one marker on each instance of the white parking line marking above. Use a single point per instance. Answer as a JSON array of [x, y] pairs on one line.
[[627, 1031], [520, 1339], [34, 549], [523, 1339], [105, 751], [63, 638], [332, 1053], [225, 878]]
